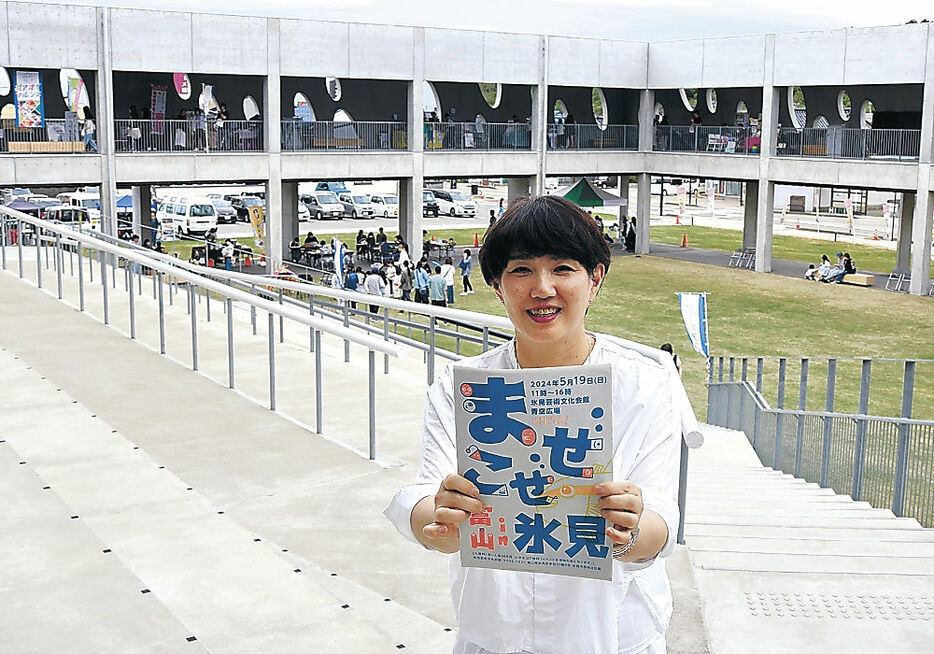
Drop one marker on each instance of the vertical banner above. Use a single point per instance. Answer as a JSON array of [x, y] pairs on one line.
[[338, 262], [711, 195], [848, 205], [157, 109], [28, 99], [536, 442], [257, 220], [75, 88], [694, 313]]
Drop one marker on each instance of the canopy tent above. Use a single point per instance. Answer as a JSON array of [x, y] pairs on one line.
[[584, 194], [22, 205], [125, 202]]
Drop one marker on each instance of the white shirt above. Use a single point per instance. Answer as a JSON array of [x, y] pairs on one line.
[[509, 612], [447, 271], [375, 285]]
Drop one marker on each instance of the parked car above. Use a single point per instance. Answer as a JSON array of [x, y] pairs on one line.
[[429, 204], [226, 214], [356, 206], [242, 203], [187, 216], [385, 205], [76, 217], [333, 187], [455, 203], [323, 204], [302, 212]]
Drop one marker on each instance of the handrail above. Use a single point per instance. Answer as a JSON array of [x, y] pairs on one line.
[[183, 272]]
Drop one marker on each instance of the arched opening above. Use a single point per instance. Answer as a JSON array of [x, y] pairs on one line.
[[560, 111], [4, 81], [689, 98], [659, 112], [8, 112], [343, 125], [797, 108], [712, 100], [742, 114], [302, 109], [865, 114], [820, 122], [844, 107], [182, 85], [250, 108], [333, 86], [598, 100], [492, 93], [431, 103], [74, 92]]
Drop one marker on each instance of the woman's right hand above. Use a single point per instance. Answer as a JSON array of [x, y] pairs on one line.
[[456, 499]]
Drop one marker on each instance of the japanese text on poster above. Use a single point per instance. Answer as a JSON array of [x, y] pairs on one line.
[[535, 443], [28, 97]]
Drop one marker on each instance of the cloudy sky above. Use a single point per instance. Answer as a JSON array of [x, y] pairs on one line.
[[642, 20]]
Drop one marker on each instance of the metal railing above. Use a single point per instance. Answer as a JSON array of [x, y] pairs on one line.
[[197, 134], [56, 137], [471, 136], [886, 461], [850, 143], [701, 138], [302, 136], [592, 137]]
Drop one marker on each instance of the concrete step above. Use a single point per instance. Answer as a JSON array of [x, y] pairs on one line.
[[766, 521], [796, 563], [859, 533], [811, 546], [803, 511]]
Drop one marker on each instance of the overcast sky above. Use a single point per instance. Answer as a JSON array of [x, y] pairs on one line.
[[624, 19]]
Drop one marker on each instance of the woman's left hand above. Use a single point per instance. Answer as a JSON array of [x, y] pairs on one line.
[[621, 505]]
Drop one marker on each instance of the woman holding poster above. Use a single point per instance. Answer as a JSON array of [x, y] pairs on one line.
[[546, 259]]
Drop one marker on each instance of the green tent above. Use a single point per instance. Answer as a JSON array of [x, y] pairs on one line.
[[584, 194]]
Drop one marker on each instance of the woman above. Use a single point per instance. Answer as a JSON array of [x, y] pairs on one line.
[[466, 266], [545, 260], [447, 271], [375, 284]]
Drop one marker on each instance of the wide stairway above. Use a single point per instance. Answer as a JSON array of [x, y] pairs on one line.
[[147, 508]]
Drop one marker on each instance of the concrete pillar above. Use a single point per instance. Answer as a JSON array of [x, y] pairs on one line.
[[540, 117], [643, 213], [927, 106], [410, 188], [906, 211], [272, 124], [622, 185], [289, 213], [923, 223], [519, 187], [765, 207], [104, 120], [142, 212], [750, 214], [646, 120]]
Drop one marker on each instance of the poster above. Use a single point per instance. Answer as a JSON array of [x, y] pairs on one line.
[[257, 219], [28, 99], [157, 109], [536, 442]]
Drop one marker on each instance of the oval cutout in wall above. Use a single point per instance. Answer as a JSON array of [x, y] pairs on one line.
[[182, 85], [74, 91], [600, 112], [492, 93], [4, 81], [333, 86], [689, 99], [250, 108]]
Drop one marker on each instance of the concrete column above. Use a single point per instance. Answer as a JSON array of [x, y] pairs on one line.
[[765, 207], [646, 120], [104, 120], [540, 117], [750, 214], [643, 212], [410, 188], [142, 212], [277, 211], [289, 213], [906, 211], [923, 223], [927, 106], [519, 187], [622, 185]]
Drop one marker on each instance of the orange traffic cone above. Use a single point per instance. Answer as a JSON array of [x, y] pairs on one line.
[[476, 240], [684, 240], [677, 219], [875, 235]]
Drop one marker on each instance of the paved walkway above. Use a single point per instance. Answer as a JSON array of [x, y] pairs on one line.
[[146, 506]]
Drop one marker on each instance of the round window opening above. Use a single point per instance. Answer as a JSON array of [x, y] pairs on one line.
[[431, 103], [797, 108], [712, 100], [250, 108], [598, 100], [4, 81], [492, 93], [689, 98], [334, 88], [560, 110], [182, 85], [659, 112], [865, 115], [742, 114], [843, 105], [821, 122], [302, 108], [74, 92]]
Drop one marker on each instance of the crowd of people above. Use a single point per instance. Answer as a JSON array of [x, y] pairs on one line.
[[831, 273]]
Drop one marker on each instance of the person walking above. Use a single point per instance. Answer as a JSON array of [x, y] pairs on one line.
[[422, 279], [437, 286], [466, 265], [87, 131]]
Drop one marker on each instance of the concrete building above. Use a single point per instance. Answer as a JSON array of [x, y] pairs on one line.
[[286, 82]]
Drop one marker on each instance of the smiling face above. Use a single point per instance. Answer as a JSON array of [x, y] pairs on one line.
[[546, 299]]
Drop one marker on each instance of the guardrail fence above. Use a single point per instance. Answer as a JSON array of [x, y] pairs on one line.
[[592, 137], [477, 136], [196, 134], [887, 461], [325, 135], [57, 137], [850, 143], [701, 138]]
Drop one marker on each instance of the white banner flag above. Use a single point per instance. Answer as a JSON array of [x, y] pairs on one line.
[[338, 279], [694, 313]]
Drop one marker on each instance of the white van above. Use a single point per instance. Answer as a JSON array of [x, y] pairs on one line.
[[322, 204], [386, 206], [75, 217], [90, 201], [186, 216], [455, 203]]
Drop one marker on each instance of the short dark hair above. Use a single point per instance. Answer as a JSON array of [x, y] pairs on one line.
[[544, 225]]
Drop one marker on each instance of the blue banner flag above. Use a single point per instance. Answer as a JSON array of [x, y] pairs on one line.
[[338, 263], [694, 312]]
